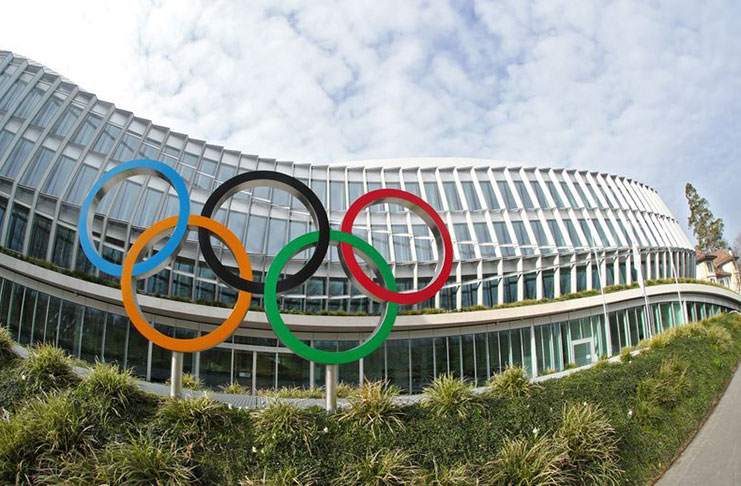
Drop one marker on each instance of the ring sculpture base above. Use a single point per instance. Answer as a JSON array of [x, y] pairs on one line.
[[176, 375], [330, 387]]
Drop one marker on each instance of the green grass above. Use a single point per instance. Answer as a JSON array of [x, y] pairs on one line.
[[621, 423]]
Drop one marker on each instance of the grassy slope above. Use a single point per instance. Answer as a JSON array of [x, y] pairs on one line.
[[222, 446]]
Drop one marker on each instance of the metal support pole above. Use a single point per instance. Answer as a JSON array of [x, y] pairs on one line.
[[176, 375], [330, 388]]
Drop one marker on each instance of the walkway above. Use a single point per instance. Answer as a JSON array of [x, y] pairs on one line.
[[713, 458]]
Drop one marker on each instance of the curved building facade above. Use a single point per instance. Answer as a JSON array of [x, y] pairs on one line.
[[520, 233]]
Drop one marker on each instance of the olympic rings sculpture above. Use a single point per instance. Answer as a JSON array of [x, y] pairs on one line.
[[350, 247]]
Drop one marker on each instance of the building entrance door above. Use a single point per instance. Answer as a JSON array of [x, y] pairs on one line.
[[582, 350]]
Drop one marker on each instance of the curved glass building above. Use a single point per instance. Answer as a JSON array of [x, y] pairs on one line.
[[520, 233]]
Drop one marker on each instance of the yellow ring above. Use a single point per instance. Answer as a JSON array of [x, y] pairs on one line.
[[226, 328]]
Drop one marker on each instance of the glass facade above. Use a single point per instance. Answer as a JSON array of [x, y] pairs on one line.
[[520, 233]]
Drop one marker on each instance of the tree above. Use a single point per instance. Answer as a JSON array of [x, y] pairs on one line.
[[736, 246], [707, 228]]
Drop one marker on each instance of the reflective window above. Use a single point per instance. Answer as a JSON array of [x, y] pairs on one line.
[[522, 237], [106, 139], [380, 240], [422, 242], [489, 196], [126, 199], [556, 232], [81, 184], [539, 232], [524, 196], [573, 235], [148, 208], [582, 195], [548, 284], [565, 281], [29, 102], [87, 130], [510, 289], [5, 138], [509, 198], [39, 237], [126, 148], [356, 190], [594, 195], [17, 228], [461, 232], [277, 235], [67, 121], [12, 94], [451, 194], [433, 195], [413, 187], [320, 189], [402, 244], [337, 196], [585, 229], [542, 200], [63, 246], [554, 194], [503, 238], [256, 234], [47, 112], [471, 198], [226, 172], [37, 167], [17, 157], [55, 182], [483, 236], [569, 196]]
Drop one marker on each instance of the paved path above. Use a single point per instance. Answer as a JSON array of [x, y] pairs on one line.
[[714, 456]]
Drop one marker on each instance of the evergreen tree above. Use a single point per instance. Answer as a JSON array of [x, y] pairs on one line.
[[707, 228]]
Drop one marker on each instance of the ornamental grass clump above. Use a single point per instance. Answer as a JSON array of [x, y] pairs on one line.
[[526, 462], [47, 369], [626, 354], [191, 423], [720, 337], [512, 382], [116, 387], [662, 391], [457, 475], [285, 427], [6, 346], [373, 408], [448, 395], [145, 460], [590, 444], [234, 389], [383, 467], [285, 476]]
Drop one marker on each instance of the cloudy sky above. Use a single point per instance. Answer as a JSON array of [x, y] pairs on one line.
[[651, 90]]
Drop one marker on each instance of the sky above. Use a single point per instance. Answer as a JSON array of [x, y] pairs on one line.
[[646, 89]]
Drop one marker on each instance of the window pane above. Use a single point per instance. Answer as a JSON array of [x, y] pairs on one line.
[[433, 195], [524, 196], [67, 121], [37, 167], [49, 110], [554, 194], [472, 198], [17, 157], [17, 228], [451, 194], [63, 246], [87, 130], [39, 237], [81, 184], [489, 196]]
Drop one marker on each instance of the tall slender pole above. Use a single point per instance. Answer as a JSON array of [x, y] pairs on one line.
[[176, 375], [331, 388]]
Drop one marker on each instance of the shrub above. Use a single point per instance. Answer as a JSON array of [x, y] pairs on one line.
[[512, 382], [285, 426], [548, 371], [525, 463], [191, 382], [448, 395], [448, 476], [292, 392], [47, 369], [380, 468], [662, 391], [720, 337], [6, 345], [372, 407], [570, 366], [346, 391], [108, 383], [234, 389], [286, 476], [191, 423], [145, 461], [626, 355], [590, 443]]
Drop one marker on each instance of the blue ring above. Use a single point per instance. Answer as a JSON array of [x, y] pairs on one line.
[[131, 168]]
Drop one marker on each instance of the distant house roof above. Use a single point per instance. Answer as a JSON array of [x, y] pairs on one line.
[[717, 258]]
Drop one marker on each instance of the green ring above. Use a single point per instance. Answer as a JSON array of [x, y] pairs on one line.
[[296, 345]]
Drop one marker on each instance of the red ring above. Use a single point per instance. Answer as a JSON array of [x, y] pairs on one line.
[[414, 203]]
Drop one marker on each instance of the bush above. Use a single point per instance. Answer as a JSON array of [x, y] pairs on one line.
[[284, 426], [379, 468], [292, 392], [448, 395], [6, 345], [191, 423], [720, 337], [145, 461], [448, 476], [106, 382], [522, 462], [373, 408], [346, 391], [512, 382], [590, 444], [287, 476], [234, 389], [662, 391], [48, 369], [626, 355]]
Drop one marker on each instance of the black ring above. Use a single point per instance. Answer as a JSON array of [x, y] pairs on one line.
[[276, 180]]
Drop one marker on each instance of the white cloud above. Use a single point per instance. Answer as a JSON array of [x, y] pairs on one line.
[[649, 90]]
